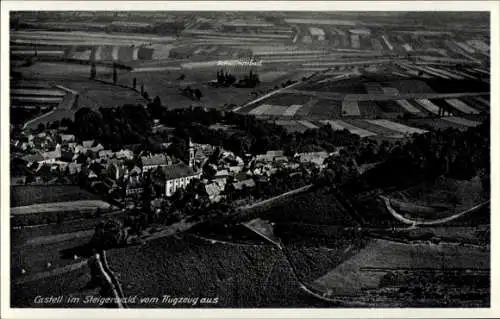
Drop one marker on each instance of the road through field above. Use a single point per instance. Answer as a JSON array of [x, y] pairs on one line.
[[267, 95]]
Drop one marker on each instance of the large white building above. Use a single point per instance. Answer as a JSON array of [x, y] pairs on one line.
[[178, 176]]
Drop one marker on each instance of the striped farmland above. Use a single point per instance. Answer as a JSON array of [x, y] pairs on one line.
[[482, 100], [397, 127], [307, 124], [377, 129], [38, 52], [408, 107], [292, 109], [461, 121], [350, 108], [262, 109], [41, 92], [276, 110], [478, 105], [341, 125], [428, 105], [461, 106], [36, 99], [446, 73]]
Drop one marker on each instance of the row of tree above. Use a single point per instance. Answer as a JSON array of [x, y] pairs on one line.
[[226, 79]]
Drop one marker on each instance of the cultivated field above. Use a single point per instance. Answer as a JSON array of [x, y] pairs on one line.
[[377, 75], [29, 195], [397, 127], [240, 275], [368, 269], [76, 205]]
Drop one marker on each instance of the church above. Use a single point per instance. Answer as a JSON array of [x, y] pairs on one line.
[[180, 175], [177, 175]]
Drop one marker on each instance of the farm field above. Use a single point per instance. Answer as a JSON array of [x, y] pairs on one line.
[[295, 126], [73, 77], [166, 85], [22, 236], [461, 106], [428, 105], [462, 121], [34, 258], [341, 125], [29, 195], [397, 127], [76, 205], [27, 91], [325, 109], [240, 275], [368, 270], [52, 71], [377, 129], [315, 207], [58, 35], [85, 45], [463, 194], [435, 123], [350, 108], [408, 107], [27, 99], [379, 75], [68, 284]]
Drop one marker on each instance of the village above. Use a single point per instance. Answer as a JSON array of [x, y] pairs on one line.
[[258, 159], [123, 177]]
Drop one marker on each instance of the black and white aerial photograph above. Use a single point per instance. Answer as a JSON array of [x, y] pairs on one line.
[[249, 159]]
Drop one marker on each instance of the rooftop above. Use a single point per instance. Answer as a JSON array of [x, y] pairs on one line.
[[178, 171], [158, 159], [248, 183]]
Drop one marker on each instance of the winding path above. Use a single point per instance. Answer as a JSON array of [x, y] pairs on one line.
[[438, 221]]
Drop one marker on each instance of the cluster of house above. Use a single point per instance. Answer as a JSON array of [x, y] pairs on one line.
[[233, 172], [124, 175]]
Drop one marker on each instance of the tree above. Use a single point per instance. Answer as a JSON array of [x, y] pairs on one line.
[[156, 108], [88, 124], [327, 177], [108, 234], [198, 94], [54, 125], [66, 122]]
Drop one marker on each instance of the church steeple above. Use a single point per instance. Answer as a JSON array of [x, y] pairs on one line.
[[191, 154]]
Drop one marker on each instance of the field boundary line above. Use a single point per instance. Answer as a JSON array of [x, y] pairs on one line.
[[280, 196], [108, 277], [416, 222], [51, 273], [52, 239]]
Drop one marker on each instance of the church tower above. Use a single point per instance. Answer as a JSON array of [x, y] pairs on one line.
[[191, 154]]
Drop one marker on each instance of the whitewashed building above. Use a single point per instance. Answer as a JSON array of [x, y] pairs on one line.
[[178, 176]]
